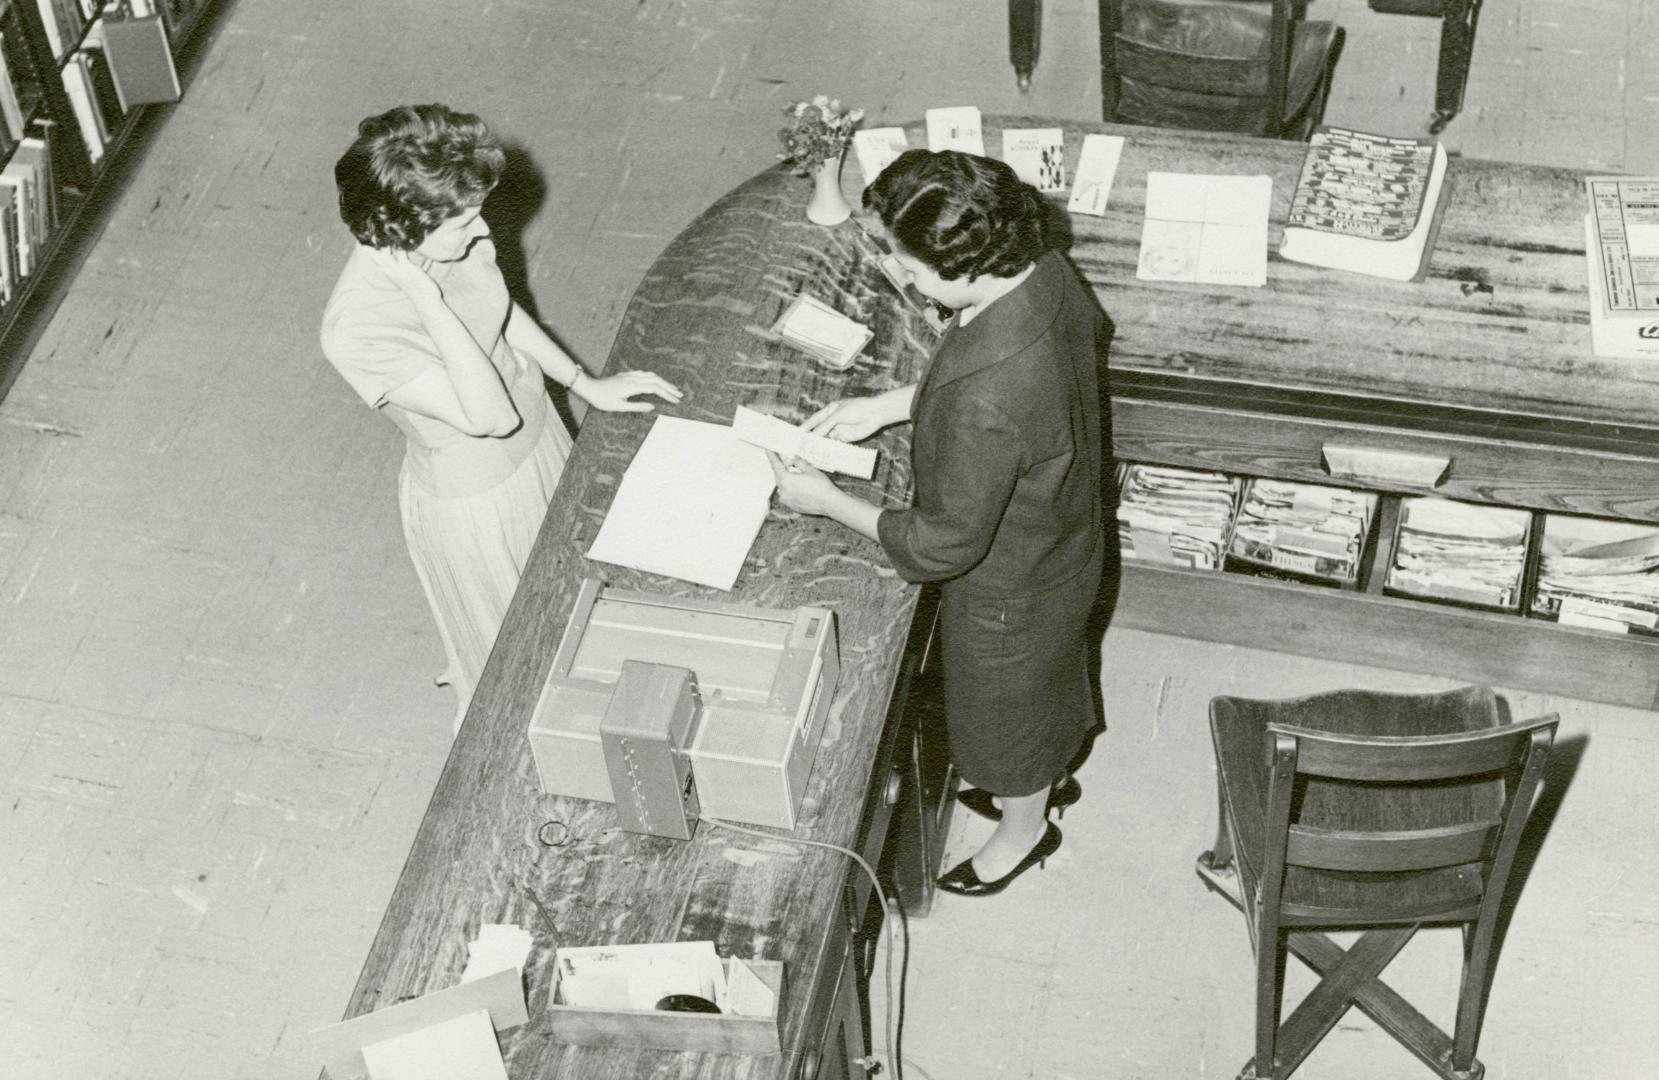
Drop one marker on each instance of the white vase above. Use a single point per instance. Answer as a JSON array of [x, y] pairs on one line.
[[828, 206]]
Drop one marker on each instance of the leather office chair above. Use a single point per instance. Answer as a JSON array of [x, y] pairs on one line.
[[1253, 68], [1458, 19], [1342, 811]]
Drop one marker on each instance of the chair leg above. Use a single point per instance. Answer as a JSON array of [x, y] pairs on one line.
[[1478, 965], [1111, 18], [1457, 46], [1270, 970], [1025, 35]]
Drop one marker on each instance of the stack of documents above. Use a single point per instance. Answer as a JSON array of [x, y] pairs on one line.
[[1598, 573], [1459, 551], [1176, 516], [821, 332], [1303, 528]]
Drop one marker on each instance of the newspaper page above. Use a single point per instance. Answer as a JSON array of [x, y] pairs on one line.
[[1624, 214]]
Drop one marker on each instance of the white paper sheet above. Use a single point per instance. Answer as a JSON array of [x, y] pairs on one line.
[[690, 505], [788, 441], [1205, 229], [464, 1048], [1097, 165], [956, 128]]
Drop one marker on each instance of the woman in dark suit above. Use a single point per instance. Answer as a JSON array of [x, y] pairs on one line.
[[1009, 467]]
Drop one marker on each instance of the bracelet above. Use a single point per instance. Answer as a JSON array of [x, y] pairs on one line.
[[580, 374]]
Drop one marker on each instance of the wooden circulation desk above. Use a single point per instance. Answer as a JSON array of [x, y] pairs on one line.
[[701, 318], [1487, 362]]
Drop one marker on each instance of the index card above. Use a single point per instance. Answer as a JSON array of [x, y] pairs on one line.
[[1097, 164], [955, 128], [877, 148], [1037, 156], [460, 1049], [690, 505], [746, 993], [789, 441], [1205, 229], [500, 996]]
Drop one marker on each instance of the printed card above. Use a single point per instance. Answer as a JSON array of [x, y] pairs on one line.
[[878, 148], [1097, 165], [955, 128], [1037, 155]]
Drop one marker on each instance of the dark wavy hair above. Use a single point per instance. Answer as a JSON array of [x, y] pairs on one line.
[[412, 167], [961, 214]]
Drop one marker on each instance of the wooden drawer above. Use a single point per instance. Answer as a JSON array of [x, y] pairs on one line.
[[1385, 631], [1511, 461]]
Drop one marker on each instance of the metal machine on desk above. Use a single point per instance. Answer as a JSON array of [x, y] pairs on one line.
[[673, 708]]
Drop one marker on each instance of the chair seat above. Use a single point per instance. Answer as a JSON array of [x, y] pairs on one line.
[[1205, 67]]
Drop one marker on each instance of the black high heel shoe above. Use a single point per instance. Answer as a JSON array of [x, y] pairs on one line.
[[963, 881], [1060, 796]]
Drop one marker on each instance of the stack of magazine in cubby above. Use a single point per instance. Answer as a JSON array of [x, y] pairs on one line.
[[1600, 574], [1460, 553], [1301, 531], [1179, 517]]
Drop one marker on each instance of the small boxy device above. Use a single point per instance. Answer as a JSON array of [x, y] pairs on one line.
[[763, 679]]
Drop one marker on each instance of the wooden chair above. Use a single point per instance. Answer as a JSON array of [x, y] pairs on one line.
[[1356, 810], [1254, 68], [1458, 19]]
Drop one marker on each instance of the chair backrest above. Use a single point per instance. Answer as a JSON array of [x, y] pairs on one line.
[[1385, 807], [1220, 66]]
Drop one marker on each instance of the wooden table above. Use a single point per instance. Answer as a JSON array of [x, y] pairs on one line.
[[701, 319], [1490, 357]]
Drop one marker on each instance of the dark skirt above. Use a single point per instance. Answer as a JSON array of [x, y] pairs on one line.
[[1017, 672]]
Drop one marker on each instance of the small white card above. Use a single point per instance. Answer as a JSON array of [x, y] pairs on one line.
[[955, 128], [877, 148], [1205, 229], [788, 441], [1097, 165], [1037, 156], [498, 947], [819, 330]]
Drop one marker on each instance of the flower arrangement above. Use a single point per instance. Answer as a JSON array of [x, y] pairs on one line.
[[819, 131]]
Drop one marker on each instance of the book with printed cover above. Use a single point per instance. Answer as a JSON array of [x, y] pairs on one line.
[[1367, 203]]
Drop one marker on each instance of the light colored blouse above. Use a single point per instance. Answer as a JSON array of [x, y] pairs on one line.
[[374, 337]]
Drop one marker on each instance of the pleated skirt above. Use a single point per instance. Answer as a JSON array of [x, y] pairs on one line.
[[469, 552]]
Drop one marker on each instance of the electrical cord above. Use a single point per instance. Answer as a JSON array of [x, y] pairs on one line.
[[889, 917]]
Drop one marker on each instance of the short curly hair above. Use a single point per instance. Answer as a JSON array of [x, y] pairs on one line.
[[961, 214], [410, 169]]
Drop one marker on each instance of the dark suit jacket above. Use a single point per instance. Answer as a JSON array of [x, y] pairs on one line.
[[1007, 450]]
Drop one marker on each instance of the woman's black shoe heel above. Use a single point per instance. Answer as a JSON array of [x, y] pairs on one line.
[[1060, 796], [963, 881]]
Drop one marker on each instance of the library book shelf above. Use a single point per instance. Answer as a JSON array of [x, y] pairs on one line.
[[79, 80]]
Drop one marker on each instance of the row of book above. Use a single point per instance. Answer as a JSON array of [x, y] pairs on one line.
[[1591, 572], [113, 56]]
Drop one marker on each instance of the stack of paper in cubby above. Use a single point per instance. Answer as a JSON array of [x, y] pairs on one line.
[[1603, 574], [1460, 551], [1303, 528], [1176, 516]]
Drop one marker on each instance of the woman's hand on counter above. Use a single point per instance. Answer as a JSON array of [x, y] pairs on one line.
[[618, 393]]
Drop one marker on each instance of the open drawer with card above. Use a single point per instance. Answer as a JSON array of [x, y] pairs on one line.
[[1600, 470]]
